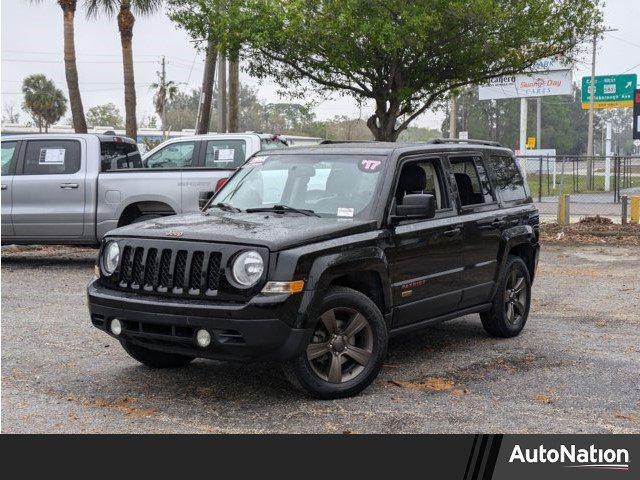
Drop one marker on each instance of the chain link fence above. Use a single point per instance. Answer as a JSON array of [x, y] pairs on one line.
[[596, 185]]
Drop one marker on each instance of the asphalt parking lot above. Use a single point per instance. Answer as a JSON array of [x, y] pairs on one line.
[[575, 368]]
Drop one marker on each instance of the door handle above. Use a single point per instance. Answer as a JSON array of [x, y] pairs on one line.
[[4, 187], [69, 185], [452, 232]]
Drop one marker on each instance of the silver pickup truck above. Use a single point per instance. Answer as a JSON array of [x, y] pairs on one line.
[[74, 188]]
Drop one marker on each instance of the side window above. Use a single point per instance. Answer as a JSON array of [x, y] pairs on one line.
[[51, 157], [423, 177], [227, 154], [118, 156], [174, 155], [471, 179], [508, 178], [8, 152]]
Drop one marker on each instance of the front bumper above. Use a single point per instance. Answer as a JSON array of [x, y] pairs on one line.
[[242, 332]]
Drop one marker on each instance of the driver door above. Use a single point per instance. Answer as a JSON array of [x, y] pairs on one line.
[[425, 256]]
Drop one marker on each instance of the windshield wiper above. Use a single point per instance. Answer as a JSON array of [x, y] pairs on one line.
[[282, 209], [226, 207]]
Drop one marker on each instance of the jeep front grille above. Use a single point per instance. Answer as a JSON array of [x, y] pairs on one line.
[[170, 271]]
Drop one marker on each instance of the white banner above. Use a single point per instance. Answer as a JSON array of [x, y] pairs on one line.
[[540, 84]]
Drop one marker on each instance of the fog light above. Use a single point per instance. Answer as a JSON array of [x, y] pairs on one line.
[[203, 338], [116, 326]]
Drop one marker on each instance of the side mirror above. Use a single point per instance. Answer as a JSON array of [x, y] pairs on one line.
[[416, 206]]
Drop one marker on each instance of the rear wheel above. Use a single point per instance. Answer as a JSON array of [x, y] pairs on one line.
[[511, 303], [346, 350], [154, 359]]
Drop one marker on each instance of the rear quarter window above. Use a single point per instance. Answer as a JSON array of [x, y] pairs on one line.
[[509, 182]]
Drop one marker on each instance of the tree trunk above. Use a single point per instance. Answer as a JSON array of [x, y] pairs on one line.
[[125, 24], [234, 90], [383, 123], [222, 92], [70, 68], [204, 111]]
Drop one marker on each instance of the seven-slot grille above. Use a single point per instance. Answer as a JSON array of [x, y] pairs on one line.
[[169, 271]]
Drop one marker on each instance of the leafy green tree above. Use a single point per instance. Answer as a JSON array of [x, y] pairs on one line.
[[406, 54], [43, 101], [165, 91], [105, 115], [124, 10]]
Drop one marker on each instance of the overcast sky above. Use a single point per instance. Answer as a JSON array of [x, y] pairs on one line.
[[32, 43]]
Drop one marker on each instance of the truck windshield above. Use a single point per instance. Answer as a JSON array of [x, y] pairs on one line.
[[328, 185]]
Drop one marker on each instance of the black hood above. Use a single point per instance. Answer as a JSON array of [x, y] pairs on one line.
[[271, 230]]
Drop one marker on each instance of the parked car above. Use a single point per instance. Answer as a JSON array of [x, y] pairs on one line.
[[73, 188], [316, 256]]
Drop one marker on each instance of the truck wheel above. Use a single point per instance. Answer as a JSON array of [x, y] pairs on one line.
[[155, 359], [511, 302], [346, 351]]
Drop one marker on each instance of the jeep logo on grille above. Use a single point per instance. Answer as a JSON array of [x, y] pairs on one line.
[[174, 233]]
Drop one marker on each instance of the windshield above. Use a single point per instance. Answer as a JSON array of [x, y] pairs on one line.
[[329, 185]]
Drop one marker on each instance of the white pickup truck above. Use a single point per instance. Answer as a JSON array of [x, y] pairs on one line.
[[73, 188]]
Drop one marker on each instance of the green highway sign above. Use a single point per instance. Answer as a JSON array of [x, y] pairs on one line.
[[612, 91]]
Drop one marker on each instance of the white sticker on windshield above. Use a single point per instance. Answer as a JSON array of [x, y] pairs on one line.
[[226, 154], [51, 156], [345, 212]]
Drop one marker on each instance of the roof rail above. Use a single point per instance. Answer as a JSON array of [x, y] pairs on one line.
[[463, 140], [338, 142]]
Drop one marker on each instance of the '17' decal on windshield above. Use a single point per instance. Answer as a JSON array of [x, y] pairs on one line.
[[370, 165]]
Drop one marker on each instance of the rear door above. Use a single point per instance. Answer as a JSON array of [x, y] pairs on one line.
[[218, 159], [9, 155], [48, 192], [482, 222]]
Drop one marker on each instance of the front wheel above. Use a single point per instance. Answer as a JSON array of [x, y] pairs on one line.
[[347, 348], [511, 303]]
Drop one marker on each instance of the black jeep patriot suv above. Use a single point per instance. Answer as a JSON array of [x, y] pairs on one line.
[[315, 256]]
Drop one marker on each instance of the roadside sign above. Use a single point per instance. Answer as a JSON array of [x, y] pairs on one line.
[[532, 84], [463, 135], [531, 143], [611, 91], [636, 115]]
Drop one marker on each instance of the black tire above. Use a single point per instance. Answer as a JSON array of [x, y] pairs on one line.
[[501, 320], [154, 359], [339, 302]]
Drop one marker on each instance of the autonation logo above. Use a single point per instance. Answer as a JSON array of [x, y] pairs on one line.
[[592, 457]]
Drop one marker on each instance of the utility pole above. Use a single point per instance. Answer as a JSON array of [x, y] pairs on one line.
[[453, 117], [592, 96], [208, 77], [163, 92], [539, 122], [222, 93]]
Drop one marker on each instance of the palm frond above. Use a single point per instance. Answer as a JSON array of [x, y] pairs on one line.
[[108, 7]]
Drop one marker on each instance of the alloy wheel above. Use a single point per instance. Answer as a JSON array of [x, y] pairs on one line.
[[515, 297], [342, 345]]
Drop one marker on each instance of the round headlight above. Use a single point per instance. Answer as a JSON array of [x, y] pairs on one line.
[[110, 257], [248, 268]]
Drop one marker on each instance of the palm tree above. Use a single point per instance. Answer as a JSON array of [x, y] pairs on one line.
[[124, 11], [44, 102], [70, 69], [166, 91]]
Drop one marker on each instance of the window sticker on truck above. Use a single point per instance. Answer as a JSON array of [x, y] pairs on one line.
[[51, 156], [226, 155], [369, 166]]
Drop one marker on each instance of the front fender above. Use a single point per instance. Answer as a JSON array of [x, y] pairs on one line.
[[327, 268]]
